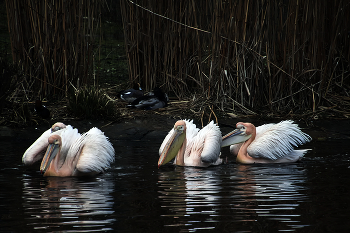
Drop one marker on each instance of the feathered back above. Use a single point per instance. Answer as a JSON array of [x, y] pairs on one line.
[[68, 137], [206, 143], [97, 153], [191, 130], [274, 141]]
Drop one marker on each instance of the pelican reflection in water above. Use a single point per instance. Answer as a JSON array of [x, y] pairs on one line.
[[191, 146], [68, 204], [190, 192], [196, 198], [269, 143]]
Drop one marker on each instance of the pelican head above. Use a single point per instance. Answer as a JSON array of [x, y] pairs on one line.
[[240, 134], [36, 151], [174, 143], [57, 126], [51, 152]]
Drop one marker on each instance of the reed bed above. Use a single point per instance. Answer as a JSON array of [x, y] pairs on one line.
[[54, 42], [251, 57]]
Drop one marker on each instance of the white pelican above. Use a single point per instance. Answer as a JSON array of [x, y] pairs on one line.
[[36, 151], [269, 143], [132, 94], [191, 146], [72, 154], [158, 99]]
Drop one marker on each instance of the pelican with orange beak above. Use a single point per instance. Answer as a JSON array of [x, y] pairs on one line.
[[72, 154], [269, 143], [191, 146], [37, 150]]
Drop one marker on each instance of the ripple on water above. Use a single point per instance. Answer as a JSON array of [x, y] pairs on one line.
[[65, 203], [206, 198]]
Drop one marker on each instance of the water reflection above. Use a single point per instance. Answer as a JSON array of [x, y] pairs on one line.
[[68, 203], [219, 197], [271, 191]]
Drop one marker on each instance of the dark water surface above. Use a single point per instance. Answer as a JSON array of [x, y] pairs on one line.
[[136, 196]]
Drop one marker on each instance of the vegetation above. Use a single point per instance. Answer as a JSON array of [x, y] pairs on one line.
[[265, 57], [90, 102], [9, 76], [54, 42]]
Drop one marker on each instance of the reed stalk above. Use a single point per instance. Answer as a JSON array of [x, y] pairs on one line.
[[268, 56], [54, 42]]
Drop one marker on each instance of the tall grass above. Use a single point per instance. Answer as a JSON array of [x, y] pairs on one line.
[[54, 42], [249, 56]]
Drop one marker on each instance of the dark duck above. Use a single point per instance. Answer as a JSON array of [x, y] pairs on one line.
[[41, 110], [131, 94], [154, 100]]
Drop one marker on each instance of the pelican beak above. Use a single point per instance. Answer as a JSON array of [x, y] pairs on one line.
[[50, 154], [235, 137], [172, 147]]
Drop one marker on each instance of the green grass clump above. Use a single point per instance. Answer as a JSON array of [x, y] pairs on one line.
[[90, 102]]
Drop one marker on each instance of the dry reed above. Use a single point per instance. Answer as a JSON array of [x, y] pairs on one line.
[[242, 56], [54, 42]]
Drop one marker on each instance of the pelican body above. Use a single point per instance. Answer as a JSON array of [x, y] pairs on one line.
[[37, 150], [72, 154], [191, 146], [269, 143]]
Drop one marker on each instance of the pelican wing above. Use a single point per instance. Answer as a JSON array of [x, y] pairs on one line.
[[69, 136], [207, 144], [96, 152], [275, 141]]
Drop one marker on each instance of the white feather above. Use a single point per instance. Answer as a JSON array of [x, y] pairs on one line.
[[274, 141], [94, 151], [203, 146], [207, 143], [70, 135]]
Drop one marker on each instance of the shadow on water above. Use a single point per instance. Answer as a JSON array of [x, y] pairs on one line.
[[136, 196]]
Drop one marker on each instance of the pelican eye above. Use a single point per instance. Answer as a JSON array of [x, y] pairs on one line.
[[180, 127], [241, 128], [55, 129]]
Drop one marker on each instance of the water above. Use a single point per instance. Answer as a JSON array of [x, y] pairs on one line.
[[136, 196]]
